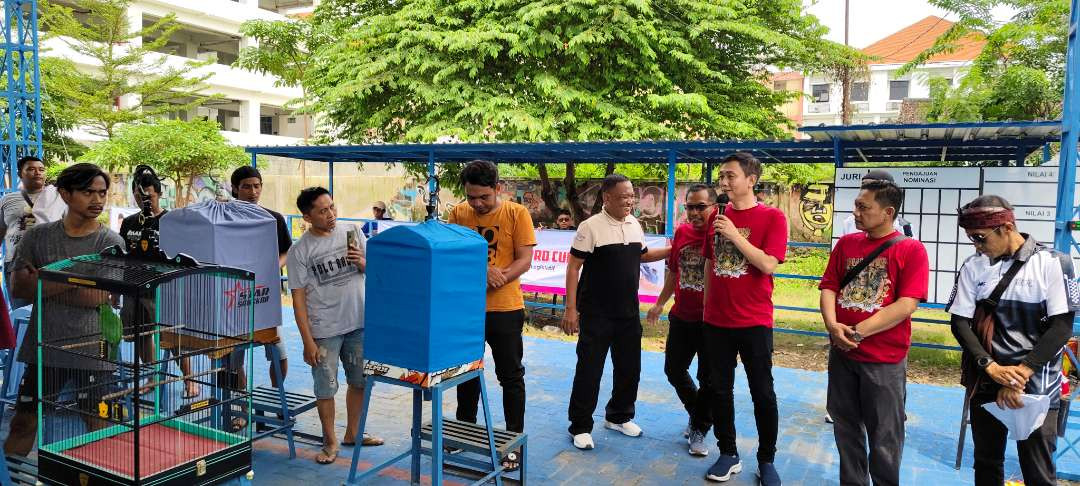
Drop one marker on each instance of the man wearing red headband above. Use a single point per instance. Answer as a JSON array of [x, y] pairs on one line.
[[1012, 343]]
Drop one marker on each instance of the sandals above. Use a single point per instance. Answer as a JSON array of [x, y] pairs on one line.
[[189, 393], [238, 423], [511, 462], [327, 456], [369, 441]]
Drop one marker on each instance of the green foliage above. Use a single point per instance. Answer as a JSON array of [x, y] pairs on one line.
[[178, 150], [1019, 74], [787, 175], [553, 70], [123, 68]]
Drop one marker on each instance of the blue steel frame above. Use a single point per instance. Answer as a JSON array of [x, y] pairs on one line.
[[1070, 122], [21, 125]]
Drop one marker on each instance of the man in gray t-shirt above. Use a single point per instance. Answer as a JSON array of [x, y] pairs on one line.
[[69, 311], [16, 214], [326, 276]]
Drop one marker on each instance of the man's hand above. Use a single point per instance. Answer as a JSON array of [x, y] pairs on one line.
[[495, 277], [724, 227], [355, 257], [654, 314], [841, 336], [1015, 377], [1009, 398], [569, 322], [311, 353]]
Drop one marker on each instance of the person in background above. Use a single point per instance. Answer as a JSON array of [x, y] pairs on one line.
[[868, 317], [247, 186], [564, 220], [16, 215], [73, 311], [146, 186], [507, 228], [902, 225], [747, 240], [1012, 350], [607, 252], [328, 301], [378, 210], [685, 279]]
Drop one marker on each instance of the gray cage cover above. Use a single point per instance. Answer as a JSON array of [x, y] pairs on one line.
[[235, 234]]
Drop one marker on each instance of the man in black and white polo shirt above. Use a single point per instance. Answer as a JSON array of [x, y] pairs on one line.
[[608, 250], [1013, 355]]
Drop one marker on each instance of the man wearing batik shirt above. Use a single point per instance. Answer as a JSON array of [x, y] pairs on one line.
[[746, 242], [868, 316], [1012, 349], [685, 279]]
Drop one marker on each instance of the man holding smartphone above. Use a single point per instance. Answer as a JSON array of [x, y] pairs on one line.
[[326, 276]]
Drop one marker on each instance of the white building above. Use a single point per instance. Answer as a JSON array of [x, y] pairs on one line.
[[877, 99], [251, 110]]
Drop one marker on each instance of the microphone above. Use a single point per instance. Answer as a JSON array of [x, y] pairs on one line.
[[721, 202]]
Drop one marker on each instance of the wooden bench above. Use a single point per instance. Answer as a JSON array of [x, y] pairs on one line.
[[472, 438]]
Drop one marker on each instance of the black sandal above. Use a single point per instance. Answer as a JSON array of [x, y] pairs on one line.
[[511, 462]]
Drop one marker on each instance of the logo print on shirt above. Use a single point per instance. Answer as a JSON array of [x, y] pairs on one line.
[[867, 292], [1074, 292], [729, 261], [691, 268], [332, 267], [489, 233]]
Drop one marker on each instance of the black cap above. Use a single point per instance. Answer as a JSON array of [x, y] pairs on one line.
[[879, 175]]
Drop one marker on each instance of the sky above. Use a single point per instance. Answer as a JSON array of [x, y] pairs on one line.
[[872, 20]]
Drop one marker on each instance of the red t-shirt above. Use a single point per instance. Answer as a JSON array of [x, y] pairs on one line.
[[739, 294], [901, 271], [687, 264]]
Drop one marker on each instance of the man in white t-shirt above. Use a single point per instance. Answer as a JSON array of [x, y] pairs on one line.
[[16, 213], [326, 276]]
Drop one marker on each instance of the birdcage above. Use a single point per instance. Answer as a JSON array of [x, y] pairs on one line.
[[113, 405]]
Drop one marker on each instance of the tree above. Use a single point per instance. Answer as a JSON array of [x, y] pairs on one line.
[[283, 50], [419, 70], [126, 63], [1019, 74], [177, 150]]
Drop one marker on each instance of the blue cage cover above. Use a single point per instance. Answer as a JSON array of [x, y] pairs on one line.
[[426, 297]]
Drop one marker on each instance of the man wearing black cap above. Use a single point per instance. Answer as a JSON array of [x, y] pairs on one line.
[[902, 225], [247, 186]]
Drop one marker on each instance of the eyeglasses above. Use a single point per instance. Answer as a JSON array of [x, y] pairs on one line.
[[980, 238], [697, 207]]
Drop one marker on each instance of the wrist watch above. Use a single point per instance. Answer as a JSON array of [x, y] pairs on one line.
[[984, 362], [855, 336]]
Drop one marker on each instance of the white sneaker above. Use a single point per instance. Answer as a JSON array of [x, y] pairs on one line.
[[628, 428], [583, 441]]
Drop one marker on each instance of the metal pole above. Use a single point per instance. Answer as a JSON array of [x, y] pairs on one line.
[[838, 152], [1046, 153], [331, 183], [254, 160], [669, 224], [1070, 130]]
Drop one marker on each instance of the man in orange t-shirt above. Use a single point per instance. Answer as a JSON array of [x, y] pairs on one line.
[[508, 229]]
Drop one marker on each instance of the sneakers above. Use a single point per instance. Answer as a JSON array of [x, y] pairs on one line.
[[584, 441], [767, 474], [697, 444], [628, 428], [724, 467]]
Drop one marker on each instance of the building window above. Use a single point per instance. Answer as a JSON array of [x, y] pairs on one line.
[[779, 85], [266, 125], [860, 91], [898, 90], [820, 92]]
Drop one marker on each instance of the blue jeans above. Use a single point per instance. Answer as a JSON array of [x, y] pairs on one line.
[[349, 349]]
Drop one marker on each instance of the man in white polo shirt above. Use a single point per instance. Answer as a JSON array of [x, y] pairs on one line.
[[607, 251]]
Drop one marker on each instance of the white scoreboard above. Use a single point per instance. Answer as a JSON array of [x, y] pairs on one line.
[[932, 197]]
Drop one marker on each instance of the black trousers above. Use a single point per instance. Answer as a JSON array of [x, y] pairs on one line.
[[754, 345], [598, 334], [686, 339], [1036, 453], [502, 331]]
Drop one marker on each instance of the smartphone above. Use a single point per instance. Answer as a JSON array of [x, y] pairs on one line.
[[350, 240]]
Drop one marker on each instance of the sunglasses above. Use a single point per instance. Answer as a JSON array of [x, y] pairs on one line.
[[696, 207], [980, 238]]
